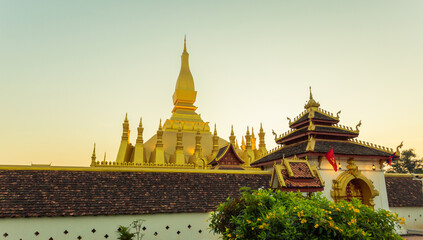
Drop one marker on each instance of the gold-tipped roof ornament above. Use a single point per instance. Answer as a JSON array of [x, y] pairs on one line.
[[311, 104]]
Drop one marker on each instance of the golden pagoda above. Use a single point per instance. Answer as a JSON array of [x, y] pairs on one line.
[[184, 140]]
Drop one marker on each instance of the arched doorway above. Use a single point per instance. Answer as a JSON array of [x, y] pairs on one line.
[[354, 191], [353, 184]]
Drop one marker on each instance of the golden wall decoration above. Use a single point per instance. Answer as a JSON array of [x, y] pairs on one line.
[[364, 185]]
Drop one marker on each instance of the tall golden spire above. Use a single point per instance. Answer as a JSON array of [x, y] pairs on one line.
[[159, 142], [126, 131], [139, 153], [183, 100], [140, 131], [311, 104], [93, 157], [157, 156], [215, 141], [248, 139], [232, 136], [253, 139], [125, 146], [261, 134]]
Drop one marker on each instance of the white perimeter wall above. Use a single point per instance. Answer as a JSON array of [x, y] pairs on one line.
[[24, 228], [413, 217]]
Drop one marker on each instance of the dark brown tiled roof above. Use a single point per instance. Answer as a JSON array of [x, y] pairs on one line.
[[317, 115], [322, 147], [300, 182], [404, 192], [321, 130], [330, 129], [300, 170], [348, 148], [286, 151], [39, 193]]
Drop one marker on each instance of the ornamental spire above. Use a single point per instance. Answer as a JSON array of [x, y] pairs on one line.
[[185, 44], [311, 104], [140, 131], [185, 79], [93, 157], [232, 136], [125, 126]]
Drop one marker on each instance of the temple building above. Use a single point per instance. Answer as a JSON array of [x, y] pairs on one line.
[[173, 180]]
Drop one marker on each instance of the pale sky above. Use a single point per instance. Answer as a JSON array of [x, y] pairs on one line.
[[70, 70]]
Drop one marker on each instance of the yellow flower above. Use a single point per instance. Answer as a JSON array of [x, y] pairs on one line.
[[330, 218], [258, 219], [248, 221], [316, 226], [252, 228], [303, 221], [363, 233], [261, 227], [349, 223], [229, 235]]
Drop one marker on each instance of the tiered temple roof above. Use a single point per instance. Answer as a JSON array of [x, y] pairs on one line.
[[315, 131]]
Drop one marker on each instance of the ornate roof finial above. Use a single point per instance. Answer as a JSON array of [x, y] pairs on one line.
[[311, 94], [126, 117], [160, 124], [261, 127], [311, 104], [140, 122], [185, 43], [215, 130], [94, 151]]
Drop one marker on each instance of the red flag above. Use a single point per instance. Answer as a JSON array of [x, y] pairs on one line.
[[330, 156], [389, 160]]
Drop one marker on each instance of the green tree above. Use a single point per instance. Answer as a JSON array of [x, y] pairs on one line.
[[407, 163]]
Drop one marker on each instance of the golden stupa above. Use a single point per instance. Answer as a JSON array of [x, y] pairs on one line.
[[184, 140]]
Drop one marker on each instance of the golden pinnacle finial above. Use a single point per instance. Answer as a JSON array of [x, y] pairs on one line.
[[232, 129], [104, 157], [312, 104], [140, 122], [160, 124], [93, 158], [248, 131], [261, 127], [185, 43], [311, 94], [215, 130]]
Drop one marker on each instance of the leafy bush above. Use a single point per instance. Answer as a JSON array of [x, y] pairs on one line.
[[267, 214], [125, 234]]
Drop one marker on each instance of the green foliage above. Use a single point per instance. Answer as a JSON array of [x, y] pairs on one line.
[[125, 234], [267, 214], [407, 163]]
